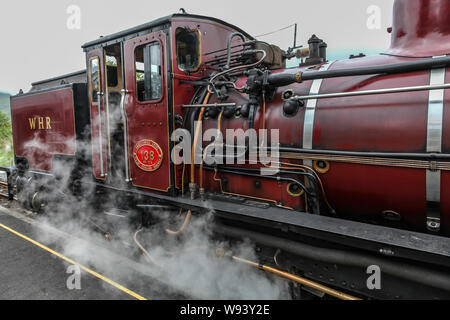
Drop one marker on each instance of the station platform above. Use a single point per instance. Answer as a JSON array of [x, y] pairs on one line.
[[32, 270]]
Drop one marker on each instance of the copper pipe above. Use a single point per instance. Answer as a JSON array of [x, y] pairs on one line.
[[238, 68], [414, 164], [147, 255], [182, 179], [295, 165], [219, 131], [184, 226], [303, 281], [194, 147]]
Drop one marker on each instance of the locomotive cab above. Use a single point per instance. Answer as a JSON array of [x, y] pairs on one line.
[[363, 144], [138, 82]]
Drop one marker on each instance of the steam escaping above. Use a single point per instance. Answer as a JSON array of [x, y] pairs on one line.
[[98, 232], [188, 263]]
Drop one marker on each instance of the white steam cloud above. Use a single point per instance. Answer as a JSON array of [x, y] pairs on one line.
[[186, 263]]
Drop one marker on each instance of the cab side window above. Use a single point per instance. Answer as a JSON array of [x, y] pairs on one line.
[[148, 72], [94, 75], [188, 49]]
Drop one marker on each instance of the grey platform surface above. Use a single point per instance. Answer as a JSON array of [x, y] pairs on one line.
[[28, 272]]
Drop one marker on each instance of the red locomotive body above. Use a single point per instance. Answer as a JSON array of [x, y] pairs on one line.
[[393, 123], [365, 139], [44, 125]]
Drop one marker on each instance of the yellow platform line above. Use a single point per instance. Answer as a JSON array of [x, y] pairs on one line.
[[95, 274]]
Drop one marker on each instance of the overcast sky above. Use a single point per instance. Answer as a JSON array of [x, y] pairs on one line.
[[37, 44]]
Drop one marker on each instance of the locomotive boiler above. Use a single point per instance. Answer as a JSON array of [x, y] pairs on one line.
[[361, 170]]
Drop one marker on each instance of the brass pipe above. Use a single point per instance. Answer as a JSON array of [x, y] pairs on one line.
[[413, 164], [303, 281], [182, 179], [192, 186], [147, 255], [184, 226], [219, 131]]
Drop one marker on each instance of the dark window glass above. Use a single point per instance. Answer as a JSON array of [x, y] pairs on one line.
[[188, 49], [94, 67], [148, 72], [111, 70]]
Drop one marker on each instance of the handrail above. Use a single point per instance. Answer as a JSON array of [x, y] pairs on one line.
[[371, 92], [100, 134], [125, 134]]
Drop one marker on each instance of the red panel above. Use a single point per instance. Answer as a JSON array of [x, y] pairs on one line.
[[269, 190], [383, 123], [39, 144], [445, 182], [147, 120], [376, 122], [214, 37], [97, 136], [421, 28], [366, 191], [445, 202]]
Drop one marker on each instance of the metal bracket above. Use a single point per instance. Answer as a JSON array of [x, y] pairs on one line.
[[434, 144]]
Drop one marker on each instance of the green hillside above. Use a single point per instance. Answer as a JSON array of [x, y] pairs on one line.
[[4, 104], [6, 145]]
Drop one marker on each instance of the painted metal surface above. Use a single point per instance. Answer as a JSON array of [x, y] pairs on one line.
[[421, 28], [434, 144], [412, 122], [384, 123], [98, 120], [44, 126], [147, 120], [310, 112]]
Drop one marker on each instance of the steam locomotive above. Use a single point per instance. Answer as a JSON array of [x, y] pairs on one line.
[[362, 173]]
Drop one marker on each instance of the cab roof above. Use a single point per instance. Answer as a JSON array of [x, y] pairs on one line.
[[157, 24]]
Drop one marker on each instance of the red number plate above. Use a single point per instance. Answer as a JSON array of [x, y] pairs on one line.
[[148, 155]]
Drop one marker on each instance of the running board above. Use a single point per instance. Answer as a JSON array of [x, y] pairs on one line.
[[385, 241]]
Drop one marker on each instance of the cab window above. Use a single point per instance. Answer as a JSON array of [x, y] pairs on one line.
[[94, 74], [188, 49], [148, 72]]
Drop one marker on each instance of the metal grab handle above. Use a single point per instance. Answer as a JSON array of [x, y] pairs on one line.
[[100, 129], [125, 134]]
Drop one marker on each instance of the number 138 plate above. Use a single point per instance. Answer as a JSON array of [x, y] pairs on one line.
[[148, 155]]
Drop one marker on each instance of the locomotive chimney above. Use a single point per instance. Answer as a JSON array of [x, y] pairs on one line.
[[421, 28]]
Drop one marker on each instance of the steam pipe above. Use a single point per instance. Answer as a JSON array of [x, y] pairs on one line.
[[248, 43], [125, 134], [230, 39], [185, 225], [421, 156], [141, 247], [210, 105], [283, 79], [372, 92], [239, 170], [395, 68], [295, 278], [266, 177], [412, 273], [100, 134], [192, 185]]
